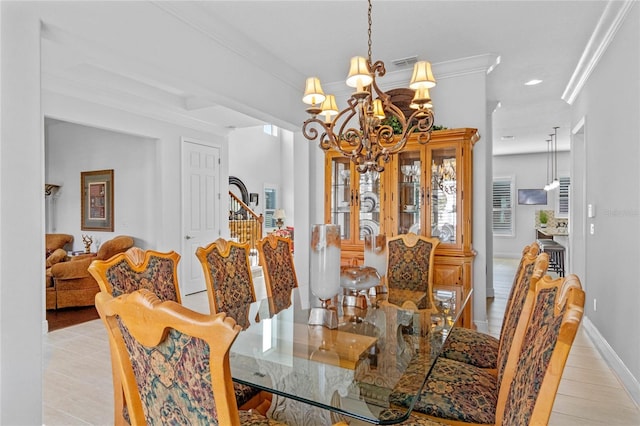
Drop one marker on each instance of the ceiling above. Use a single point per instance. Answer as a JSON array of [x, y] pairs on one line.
[[533, 39]]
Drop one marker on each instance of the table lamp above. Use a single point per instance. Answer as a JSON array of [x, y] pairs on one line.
[[279, 216]]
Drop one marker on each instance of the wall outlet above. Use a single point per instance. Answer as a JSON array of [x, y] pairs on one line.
[[592, 228], [595, 305]]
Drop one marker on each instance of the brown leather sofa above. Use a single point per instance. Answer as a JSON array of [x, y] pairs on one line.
[[73, 285]]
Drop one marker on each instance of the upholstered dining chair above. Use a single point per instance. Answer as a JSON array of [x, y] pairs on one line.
[[227, 273], [279, 271], [410, 270], [174, 361], [125, 273], [481, 349], [525, 388], [137, 268]]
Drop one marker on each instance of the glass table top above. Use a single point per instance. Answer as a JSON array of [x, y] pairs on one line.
[[350, 370]]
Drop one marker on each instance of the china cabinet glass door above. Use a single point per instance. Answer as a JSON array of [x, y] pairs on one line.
[[444, 195], [368, 197], [410, 192], [342, 195]]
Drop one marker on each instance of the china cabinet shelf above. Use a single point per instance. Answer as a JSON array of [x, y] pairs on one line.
[[434, 180]]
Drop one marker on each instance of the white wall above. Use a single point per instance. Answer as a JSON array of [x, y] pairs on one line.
[[162, 164], [71, 149], [256, 158], [529, 171], [610, 103], [461, 101], [21, 219]]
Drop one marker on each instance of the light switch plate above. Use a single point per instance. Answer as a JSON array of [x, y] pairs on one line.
[[591, 210]]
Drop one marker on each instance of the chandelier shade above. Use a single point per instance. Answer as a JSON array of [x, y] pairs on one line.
[[313, 93], [359, 73], [362, 131], [329, 108], [421, 98], [422, 76]]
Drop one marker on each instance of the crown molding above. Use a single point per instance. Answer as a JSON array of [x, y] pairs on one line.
[[612, 18], [442, 71]]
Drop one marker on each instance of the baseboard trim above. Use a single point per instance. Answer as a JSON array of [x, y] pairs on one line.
[[612, 359]]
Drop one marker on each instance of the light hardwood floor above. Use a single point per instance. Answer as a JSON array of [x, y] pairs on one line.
[[78, 387]]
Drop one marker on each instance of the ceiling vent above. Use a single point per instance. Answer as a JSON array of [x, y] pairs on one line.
[[405, 62]]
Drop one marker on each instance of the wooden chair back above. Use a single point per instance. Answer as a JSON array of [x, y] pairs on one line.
[[135, 269], [227, 273], [279, 271], [515, 321], [410, 266], [174, 362], [125, 273], [529, 252], [529, 389]]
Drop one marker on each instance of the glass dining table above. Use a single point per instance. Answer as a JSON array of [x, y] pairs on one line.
[[321, 376]]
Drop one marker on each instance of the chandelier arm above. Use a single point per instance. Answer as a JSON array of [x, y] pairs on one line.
[[310, 131], [423, 126], [345, 116], [378, 70]]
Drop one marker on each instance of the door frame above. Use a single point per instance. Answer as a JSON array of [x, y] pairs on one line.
[[578, 221]]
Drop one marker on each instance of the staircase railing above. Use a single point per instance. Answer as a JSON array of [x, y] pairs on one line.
[[244, 224]]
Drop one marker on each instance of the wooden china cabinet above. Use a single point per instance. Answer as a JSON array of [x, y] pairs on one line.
[[425, 189]]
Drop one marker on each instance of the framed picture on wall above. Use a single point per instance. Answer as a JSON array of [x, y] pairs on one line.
[[96, 195]]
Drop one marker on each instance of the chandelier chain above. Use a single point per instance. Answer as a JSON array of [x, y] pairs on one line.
[[369, 32]]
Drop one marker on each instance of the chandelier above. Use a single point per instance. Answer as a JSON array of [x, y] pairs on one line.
[[362, 131]]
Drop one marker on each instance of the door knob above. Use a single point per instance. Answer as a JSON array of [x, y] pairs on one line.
[[188, 237]]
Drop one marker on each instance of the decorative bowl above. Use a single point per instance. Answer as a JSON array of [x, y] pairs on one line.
[[359, 277]]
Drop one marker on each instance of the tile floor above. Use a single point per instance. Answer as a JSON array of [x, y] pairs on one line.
[[78, 387]]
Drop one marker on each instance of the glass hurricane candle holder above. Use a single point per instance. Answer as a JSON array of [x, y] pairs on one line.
[[356, 282], [375, 256], [325, 273]]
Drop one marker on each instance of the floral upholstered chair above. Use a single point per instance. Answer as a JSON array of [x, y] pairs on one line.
[[136, 269], [481, 349], [174, 361], [125, 273], [524, 390], [410, 270], [279, 271], [227, 274]]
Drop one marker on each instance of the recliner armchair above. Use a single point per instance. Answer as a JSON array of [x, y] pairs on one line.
[[72, 282], [55, 245]]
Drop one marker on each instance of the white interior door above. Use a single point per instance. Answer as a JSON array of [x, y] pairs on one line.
[[201, 209]]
